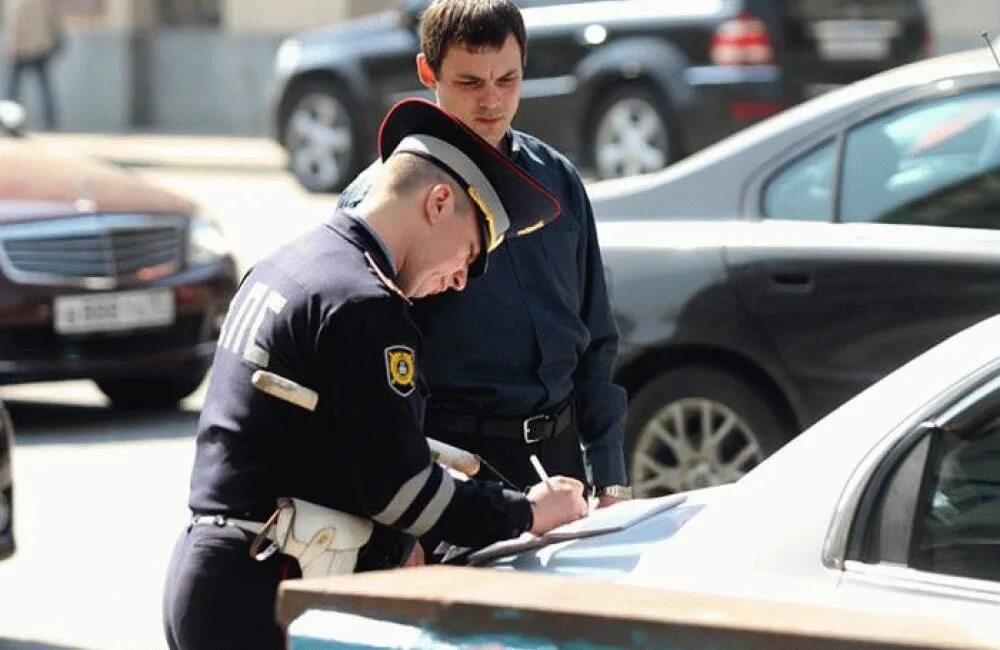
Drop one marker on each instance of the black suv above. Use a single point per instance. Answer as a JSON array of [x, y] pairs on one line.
[[622, 86]]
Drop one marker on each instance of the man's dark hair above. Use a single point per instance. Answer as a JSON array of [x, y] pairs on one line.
[[473, 24]]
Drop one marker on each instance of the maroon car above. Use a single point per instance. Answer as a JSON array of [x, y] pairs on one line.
[[104, 276]]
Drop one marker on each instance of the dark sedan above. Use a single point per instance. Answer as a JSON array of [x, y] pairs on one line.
[[763, 281], [104, 276], [622, 86], [7, 545]]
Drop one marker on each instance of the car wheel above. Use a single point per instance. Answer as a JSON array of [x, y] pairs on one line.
[[150, 392], [630, 134], [321, 135], [696, 427]]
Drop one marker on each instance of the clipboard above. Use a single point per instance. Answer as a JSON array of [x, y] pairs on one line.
[[611, 519]]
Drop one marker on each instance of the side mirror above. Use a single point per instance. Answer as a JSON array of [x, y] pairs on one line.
[[12, 117]]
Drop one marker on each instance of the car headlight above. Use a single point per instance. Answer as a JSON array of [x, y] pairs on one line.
[[206, 243], [287, 58]]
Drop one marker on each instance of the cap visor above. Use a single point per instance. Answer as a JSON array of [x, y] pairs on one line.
[[525, 204]]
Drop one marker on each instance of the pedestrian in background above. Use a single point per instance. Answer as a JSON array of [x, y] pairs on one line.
[[32, 35]]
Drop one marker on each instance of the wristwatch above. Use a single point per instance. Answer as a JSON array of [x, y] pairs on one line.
[[623, 492]]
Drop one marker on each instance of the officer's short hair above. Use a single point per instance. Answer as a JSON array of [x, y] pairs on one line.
[[406, 173], [473, 24]]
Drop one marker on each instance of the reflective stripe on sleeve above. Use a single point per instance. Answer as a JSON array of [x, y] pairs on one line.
[[404, 497], [435, 508]]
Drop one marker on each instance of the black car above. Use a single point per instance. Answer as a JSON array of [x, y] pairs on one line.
[[7, 545], [623, 86], [762, 282]]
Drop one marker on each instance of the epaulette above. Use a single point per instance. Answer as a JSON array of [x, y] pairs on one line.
[[389, 284]]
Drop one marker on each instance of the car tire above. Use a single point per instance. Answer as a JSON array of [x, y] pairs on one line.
[[130, 393], [322, 133], [630, 133], [667, 449]]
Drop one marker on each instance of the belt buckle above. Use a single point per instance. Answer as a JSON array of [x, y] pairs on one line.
[[526, 427]]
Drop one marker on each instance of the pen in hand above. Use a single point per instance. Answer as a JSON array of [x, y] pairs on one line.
[[537, 464]]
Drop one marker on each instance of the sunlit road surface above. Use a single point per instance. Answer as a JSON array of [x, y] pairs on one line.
[[99, 500], [101, 495]]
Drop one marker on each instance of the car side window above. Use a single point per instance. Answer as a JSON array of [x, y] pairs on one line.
[[930, 163], [939, 509], [957, 528], [803, 189]]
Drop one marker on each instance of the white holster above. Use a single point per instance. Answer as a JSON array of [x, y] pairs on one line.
[[324, 541]]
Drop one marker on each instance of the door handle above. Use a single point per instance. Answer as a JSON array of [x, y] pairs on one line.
[[792, 280]]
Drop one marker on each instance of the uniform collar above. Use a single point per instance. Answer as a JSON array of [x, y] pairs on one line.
[[374, 233], [355, 230]]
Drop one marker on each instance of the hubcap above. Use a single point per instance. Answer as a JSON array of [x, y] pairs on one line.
[[319, 141], [691, 444], [631, 139]]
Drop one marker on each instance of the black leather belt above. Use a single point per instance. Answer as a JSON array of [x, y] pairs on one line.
[[530, 429]]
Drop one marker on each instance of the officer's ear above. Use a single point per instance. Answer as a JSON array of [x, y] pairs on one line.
[[425, 73], [439, 203]]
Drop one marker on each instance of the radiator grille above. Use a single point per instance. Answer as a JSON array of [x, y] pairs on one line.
[[107, 251]]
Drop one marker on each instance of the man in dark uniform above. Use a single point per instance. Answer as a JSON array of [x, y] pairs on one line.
[[330, 311], [520, 363]]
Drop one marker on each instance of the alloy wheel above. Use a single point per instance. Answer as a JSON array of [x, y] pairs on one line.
[[630, 139], [690, 444], [320, 142]]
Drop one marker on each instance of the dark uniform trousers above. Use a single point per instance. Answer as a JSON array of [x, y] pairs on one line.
[[218, 592], [215, 591]]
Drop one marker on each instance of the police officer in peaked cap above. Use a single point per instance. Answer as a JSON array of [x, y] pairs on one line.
[[330, 312]]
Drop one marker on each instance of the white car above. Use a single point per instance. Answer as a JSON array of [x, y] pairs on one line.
[[895, 496], [888, 507]]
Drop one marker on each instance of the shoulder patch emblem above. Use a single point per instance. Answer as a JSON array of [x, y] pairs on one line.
[[401, 369]]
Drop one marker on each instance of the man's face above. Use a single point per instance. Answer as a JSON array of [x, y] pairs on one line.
[[442, 261], [482, 87]]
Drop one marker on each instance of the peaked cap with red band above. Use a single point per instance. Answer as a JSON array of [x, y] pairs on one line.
[[509, 202]]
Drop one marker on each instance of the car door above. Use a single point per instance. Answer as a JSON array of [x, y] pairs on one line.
[[928, 523], [896, 245]]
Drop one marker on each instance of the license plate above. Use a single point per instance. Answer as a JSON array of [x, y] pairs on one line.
[[112, 312], [845, 40]]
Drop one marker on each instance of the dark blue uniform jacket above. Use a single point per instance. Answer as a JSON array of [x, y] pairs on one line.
[[537, 328], [323, 312]]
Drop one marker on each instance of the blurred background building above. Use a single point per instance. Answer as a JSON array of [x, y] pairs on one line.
[[204, 66]]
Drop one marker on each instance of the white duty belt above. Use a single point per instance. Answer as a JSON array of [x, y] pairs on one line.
[[324, 541]]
